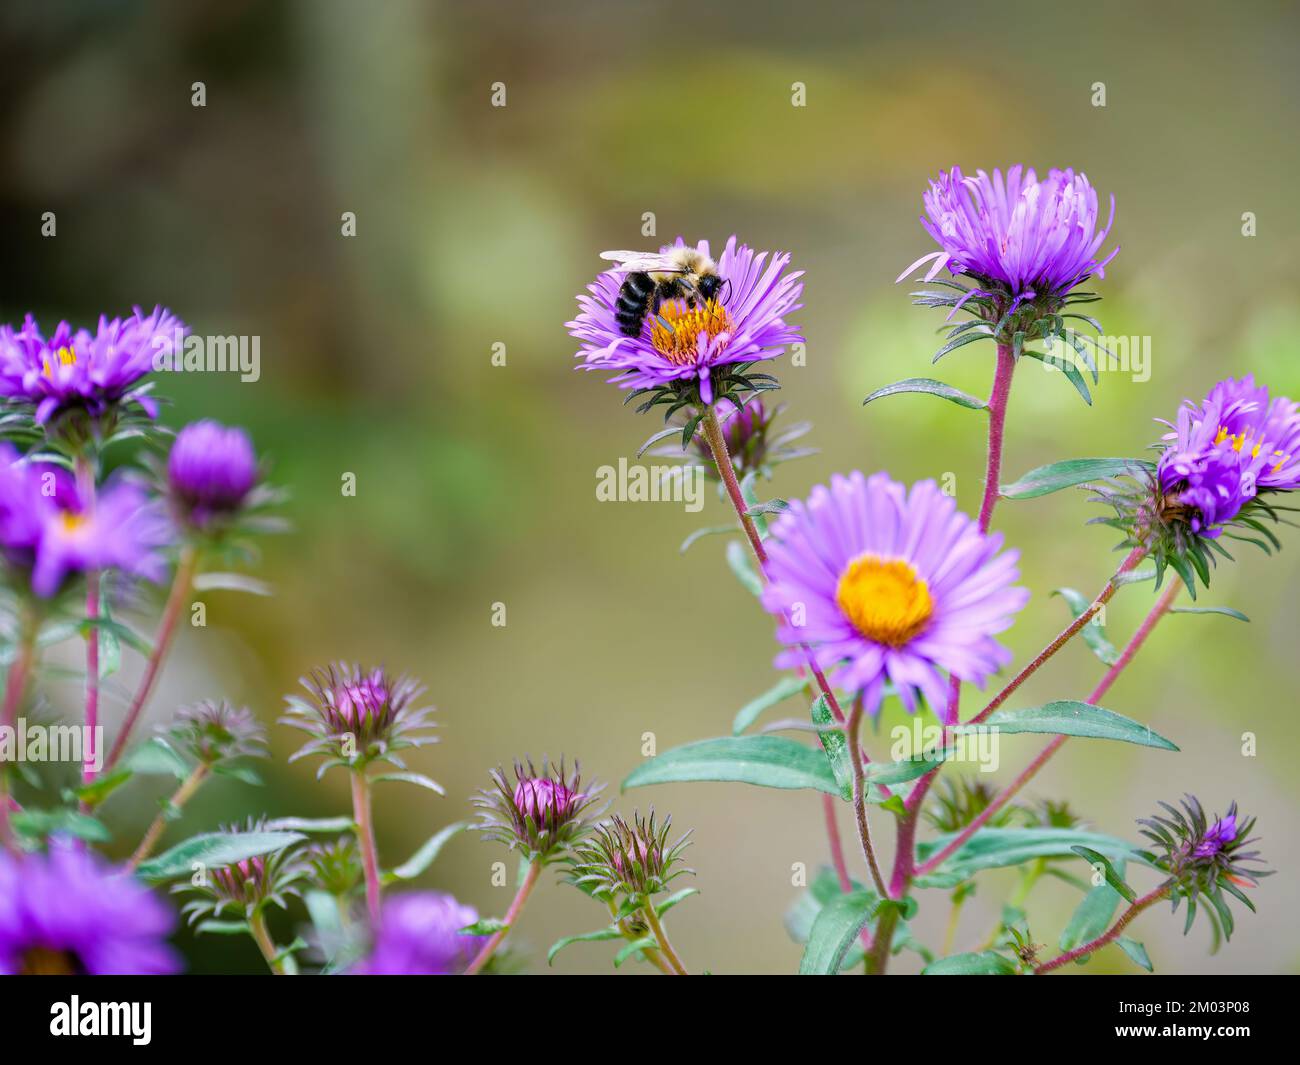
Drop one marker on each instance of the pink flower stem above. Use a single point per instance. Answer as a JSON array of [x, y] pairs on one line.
[[1106, 937], [512, 916], [717, 442], [1103, 686], [1006, 366], [365, 830], [179, 595]]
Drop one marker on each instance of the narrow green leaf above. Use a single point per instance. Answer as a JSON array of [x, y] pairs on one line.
[[1136, 951], [40, 824], [157, 756], [985, 963], [1093, 633], [418, 862], [905, 769], [230, 582], [487, 926], [223, 928], [214, 849], [783, 689], [993, 848], [1113, 878], [672, 900], [833, 932], [600, 935], [411, 778], [766, 761], [1066, 367], [1068, 474], [311, 824], [931, 387], [835, 746], [635, 947], [1226, 611], [1067, 717], [743, 567], [1093, 915]]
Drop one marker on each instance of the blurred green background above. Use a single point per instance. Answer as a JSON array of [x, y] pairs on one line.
[[476, 225]]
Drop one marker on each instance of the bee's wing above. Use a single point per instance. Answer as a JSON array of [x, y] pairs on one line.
[[641, 260]]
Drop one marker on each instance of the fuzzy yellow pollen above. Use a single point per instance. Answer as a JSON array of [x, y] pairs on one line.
[[885, 599], [65, 356], [675, 329], [1238, 442]]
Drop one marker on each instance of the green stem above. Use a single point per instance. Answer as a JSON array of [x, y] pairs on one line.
[[651, 955], [512, 916], [261, 936], [179, 798], [878, 958], [666, 947]]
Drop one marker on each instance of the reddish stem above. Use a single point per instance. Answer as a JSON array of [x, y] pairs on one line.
[[512, 916], [1106, 937], [1103, 686], [365, 830], [176, 600], [1006, 366]]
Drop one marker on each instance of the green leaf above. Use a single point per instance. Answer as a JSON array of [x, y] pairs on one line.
[[672, 900], [329, 825], [835, 745], [418, 862], [699, 534], [245, 774], [929, 386], [223, 928], [783, 689], [1066, 367], [905, 769], [743, 567], [1094, 632], [1113, 878], [230, 582], [487, 926], [41, 824], [1092, 916], [1066, 717], [993, 848], [1136, 952], [833, 932], [1226, 611], [598, 936], [1067, 474], [412, 778], [766, 761], [985, 963], [158, 757], [635, 947], [215, 849], [101, 787]]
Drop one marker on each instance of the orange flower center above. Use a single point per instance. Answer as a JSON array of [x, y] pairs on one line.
[[885, 599], [675, 329]]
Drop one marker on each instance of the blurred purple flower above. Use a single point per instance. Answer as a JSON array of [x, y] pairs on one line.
[[420, 936], [45, 529], [890, 587], [745, 324], [211, 470], [1038, 238], [81, 370], [1222, 453], [69, 912]]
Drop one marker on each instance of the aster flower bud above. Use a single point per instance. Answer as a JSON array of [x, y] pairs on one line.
[[959, 800], [634, 860], [752, 442], [245, 888], [213, 732], [358, 716], [335, 866], [1204, 859], [542, 814], [211, 471]]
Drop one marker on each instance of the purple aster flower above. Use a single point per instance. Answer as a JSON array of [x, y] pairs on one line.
[[1036, 238], [46, 530], [85, 371], [420, 936], [1224, 452], [211, 470], [69, 912], [888, 586], [689, 339], [1216, 837]]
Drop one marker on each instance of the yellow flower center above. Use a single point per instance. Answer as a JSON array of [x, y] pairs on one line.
[[675, 329], [65, 356], [884, 599], [1238, 442]]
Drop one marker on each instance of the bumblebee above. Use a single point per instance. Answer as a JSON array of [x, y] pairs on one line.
[[653, 279]]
